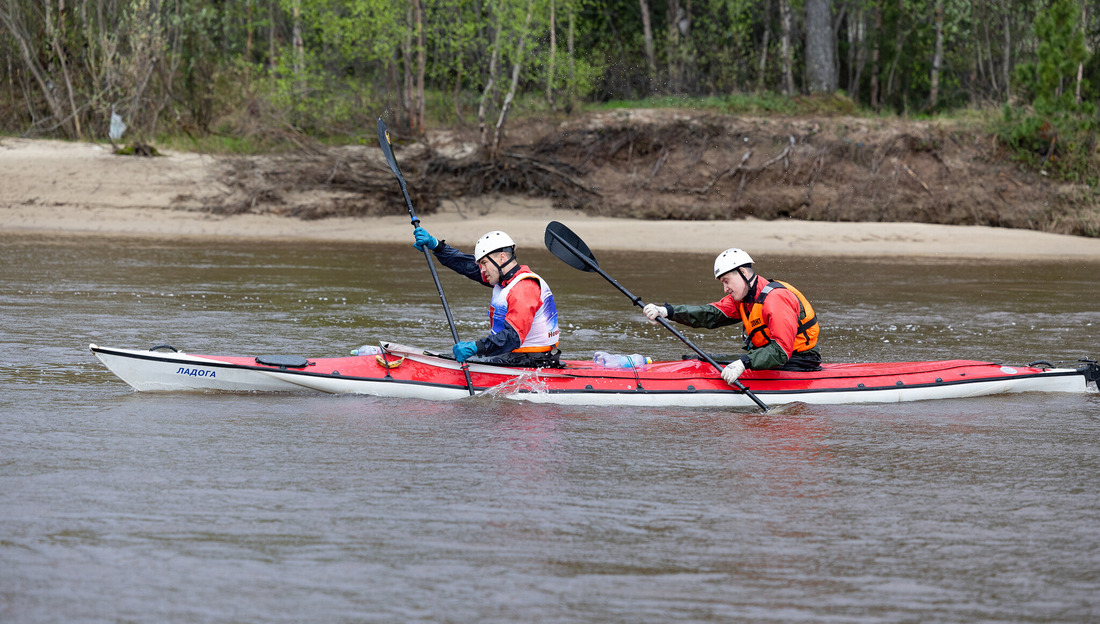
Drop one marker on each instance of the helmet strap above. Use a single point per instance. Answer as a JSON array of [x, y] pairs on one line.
[[500, 270], [748, 283]]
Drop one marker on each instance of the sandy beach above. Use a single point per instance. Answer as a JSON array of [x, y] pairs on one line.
[[59, 188]]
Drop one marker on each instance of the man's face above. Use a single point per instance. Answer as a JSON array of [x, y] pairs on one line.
[[489, 273], [733, 284]]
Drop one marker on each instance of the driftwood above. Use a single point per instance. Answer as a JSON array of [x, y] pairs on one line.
[[914, 176], [657, 167], [732, 171]]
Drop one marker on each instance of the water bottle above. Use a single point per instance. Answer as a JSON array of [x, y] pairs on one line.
[[610, 360], [367, 350]]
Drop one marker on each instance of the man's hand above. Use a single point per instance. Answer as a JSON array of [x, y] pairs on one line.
[[464, 350], [652, 312], [423, 239], [732, 371]]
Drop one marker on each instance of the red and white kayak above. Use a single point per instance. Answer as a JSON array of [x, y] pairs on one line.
[[407, 372]]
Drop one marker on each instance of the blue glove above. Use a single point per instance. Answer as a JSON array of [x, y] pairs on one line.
[[464, 350], [423, 239]]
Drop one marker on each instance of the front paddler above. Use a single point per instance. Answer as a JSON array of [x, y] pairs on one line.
[[522, 315], [779, 326]]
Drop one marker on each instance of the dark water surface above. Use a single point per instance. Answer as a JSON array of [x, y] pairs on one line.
[[125, 507]]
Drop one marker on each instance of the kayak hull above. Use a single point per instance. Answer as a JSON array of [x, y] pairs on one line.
[[407, 372]]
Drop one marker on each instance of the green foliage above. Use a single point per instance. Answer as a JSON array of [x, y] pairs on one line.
[[747, 103], [1060, 144], [319, 103], [204, 67], [1050, 80], [1056, 134]]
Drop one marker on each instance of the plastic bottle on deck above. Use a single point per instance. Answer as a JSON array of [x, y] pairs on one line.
[[611, 360], [367, 350]]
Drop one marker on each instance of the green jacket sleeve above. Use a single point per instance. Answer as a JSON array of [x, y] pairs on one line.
[[705, 316], [767, 357]]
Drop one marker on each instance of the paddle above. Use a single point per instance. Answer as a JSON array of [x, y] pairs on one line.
[[387, 151], [570, 249]]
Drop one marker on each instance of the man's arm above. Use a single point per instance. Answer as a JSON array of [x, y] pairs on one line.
[[709, 316], [461, 263]]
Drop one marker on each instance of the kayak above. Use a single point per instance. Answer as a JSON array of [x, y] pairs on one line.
[[408, 372]]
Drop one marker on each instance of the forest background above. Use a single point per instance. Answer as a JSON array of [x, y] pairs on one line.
[[771, 106]]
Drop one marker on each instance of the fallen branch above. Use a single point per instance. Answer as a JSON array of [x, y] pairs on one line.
[[914, 176], [536, 164], [657, 167], [740, 168]]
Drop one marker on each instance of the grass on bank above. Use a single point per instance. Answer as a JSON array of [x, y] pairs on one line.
[[257, 126]]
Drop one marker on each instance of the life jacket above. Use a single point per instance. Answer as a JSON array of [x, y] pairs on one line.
[[757, 334], [544, 332]]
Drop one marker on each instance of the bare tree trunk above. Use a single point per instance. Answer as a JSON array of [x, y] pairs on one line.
[[55, 30], [486, 93], [688, 75], [875, 52], [899, 41], [504, 108], [11, 79], [408, 104], [1007, 69], [763, 68], [857, 39], [271, 62], [12, 21], [299, 47], [647, 34], [989, 57], [673, 17], [1081, 65], [248, 41], [820, 50], [785, 46], [419, 104], [572, 60], [937, 56], [553, 56], [456, 93], [838, 20]]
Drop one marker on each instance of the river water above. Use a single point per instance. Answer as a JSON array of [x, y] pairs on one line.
[[125, 507]]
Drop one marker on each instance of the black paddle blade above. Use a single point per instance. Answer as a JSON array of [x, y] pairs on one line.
[[569, 248], [387, 148]]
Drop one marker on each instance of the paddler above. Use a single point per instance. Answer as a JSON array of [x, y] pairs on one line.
[[779, 326], [522, 315]]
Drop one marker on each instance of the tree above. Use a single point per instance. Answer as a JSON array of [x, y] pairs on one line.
[[1061, 50], [820, 48], [647, 36], [785, 48], [517, 66], [937, 56]]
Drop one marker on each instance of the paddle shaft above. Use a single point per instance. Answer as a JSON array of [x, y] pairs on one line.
[[387, 151], [664, 323]]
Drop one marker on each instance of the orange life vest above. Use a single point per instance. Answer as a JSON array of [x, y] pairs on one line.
[[757, 334]]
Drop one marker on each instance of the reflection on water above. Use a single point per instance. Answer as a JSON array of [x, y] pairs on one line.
[[117, 506]]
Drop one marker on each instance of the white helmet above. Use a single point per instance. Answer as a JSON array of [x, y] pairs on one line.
[[729, 260], [491, 242]]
